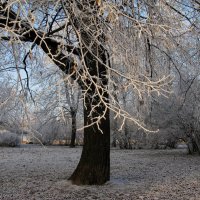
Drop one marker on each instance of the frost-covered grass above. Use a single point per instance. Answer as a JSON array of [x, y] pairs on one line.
[[34, 172], [9, 139]]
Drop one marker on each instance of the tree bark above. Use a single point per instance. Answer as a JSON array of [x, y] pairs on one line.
[[94, 165], [73, 134]]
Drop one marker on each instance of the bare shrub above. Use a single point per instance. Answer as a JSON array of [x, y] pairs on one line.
[[9, 139]]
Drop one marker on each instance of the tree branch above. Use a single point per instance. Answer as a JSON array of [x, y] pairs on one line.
[[12, 23], [177, 11]]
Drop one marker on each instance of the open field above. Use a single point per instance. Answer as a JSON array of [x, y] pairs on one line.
[[34, 172]]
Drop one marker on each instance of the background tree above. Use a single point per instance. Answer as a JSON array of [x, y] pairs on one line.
[[73, 94]]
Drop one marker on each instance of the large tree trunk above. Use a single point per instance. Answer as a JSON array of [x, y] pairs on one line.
[[73, 134], [94, 165]]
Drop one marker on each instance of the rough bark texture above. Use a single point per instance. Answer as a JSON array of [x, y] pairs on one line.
[[94, 165]]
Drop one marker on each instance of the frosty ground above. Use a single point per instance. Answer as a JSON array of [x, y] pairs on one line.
[[34, 172]]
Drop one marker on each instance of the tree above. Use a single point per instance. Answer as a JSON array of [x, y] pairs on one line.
[[11, 117], [75, 35], [94, 166], [56, 102], [72, 96]]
